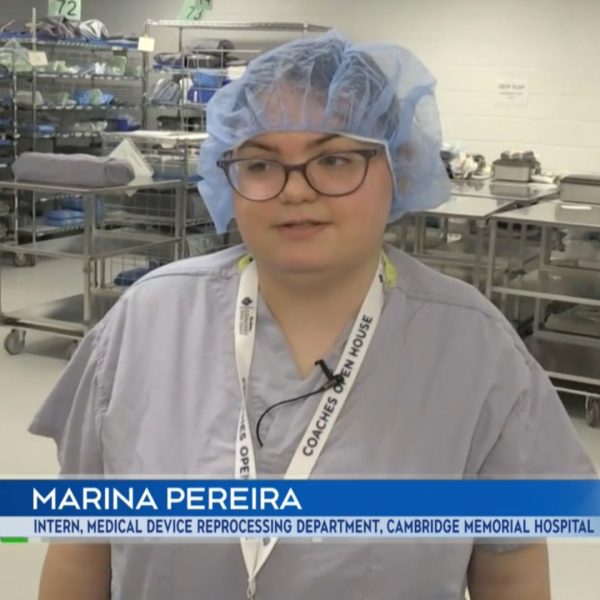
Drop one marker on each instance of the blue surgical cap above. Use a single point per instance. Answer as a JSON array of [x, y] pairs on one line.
[[377, 92]]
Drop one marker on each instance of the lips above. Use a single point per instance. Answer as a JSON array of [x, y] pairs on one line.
[[301, 224], [300, 230]]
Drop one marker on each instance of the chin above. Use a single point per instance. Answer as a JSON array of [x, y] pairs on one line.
[[301, 262]]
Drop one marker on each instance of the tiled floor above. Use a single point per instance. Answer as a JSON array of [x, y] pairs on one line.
[[26, 379]]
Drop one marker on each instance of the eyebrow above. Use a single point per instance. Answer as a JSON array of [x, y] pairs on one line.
[[266, 147]]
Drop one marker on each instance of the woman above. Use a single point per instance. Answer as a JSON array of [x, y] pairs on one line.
[[314, 150]]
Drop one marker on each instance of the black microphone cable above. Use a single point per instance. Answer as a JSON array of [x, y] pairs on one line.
[[332, 380]]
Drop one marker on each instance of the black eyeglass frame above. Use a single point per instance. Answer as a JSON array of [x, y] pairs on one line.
[[367, 154]]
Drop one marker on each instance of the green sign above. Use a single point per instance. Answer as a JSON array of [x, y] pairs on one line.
[[65, 8], [13, 540], [193, 10]]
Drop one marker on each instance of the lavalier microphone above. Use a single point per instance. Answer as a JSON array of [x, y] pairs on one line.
[[332, 381]]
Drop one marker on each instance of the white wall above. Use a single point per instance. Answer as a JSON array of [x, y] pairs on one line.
[[469, 45]]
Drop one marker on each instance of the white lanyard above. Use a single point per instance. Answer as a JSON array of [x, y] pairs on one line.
[[257, 551]]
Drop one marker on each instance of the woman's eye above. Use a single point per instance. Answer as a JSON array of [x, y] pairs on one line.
[[335, 160], [256, 166]]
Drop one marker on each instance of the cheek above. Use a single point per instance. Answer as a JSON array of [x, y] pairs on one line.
[[245, 212], [372, 203], [239, 211], [243, 219], [250, 217]]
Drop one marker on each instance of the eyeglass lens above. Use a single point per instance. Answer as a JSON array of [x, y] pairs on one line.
[[330, 174]]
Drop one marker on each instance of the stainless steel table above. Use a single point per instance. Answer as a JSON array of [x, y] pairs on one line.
[[475, 201], [464, 251]]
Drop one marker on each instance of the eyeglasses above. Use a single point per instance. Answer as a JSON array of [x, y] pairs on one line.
[[332, 174]]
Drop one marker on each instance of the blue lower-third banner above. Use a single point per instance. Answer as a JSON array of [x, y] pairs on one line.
[[150, 509]]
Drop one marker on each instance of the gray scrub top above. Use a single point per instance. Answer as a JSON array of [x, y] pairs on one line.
[[447, 389]]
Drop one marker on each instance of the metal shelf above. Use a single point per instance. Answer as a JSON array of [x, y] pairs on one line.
[[121, 217], [569, 361], [468, 207], [110, 291], [61, 317], [156, 70], [45, 230], [506, 249], [239, 26], [555, 213], [76, 108], [52, 197], [79, 77], [167, 139], [49, 188], [574, 324], [462, 270], [61, 136], [64, 316], [577, 287], [110, 45], [187, 105], [102, 245]]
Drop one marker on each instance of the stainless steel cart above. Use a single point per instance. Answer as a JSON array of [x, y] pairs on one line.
[[570, 352], [171, 155], [73, 316]]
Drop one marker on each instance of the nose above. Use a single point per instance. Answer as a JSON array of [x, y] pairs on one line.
[[297, 190]]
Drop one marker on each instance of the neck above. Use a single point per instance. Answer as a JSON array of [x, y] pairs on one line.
[[300, 294], [325, 299]]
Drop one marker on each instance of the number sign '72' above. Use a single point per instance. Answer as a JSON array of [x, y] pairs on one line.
[[65, 8]]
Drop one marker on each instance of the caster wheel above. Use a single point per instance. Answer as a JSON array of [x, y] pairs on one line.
[[20, 260], [592, 411], [72, 349], [14, 342]]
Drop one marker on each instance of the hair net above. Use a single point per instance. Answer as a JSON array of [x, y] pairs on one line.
[[327, 84]]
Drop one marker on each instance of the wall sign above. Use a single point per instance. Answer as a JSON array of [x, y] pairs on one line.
[[146, 44], [513, 91], [65, 8], [193, 10]]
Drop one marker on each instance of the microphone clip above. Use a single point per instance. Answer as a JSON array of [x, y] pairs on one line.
[[332, 380]]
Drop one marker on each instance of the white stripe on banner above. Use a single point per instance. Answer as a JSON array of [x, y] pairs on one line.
[[145, 528]]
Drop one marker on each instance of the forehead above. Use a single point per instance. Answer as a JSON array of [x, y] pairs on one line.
[[291, 142], [281, 141]]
